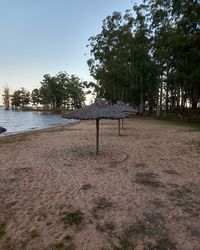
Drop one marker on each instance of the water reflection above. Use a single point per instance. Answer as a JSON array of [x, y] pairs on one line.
[[20, 121]]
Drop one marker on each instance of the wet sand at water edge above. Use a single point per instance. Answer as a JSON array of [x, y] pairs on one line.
[[141, 192]]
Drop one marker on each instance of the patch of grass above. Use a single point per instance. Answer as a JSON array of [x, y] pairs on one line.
[[67, 245], [158, 203], [49, 223], [125, 244], [106, 227], [59, 246], [2, 228], [161, 244], [150, 230], [152, 225], [183, 197], [68, 237], [194, 231], [34, 234], [103, 203], [86, 186], [191, 124], [147, 179], [73, 218], [95, 212]]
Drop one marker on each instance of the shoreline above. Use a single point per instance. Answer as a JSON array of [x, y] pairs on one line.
[[56, 127]]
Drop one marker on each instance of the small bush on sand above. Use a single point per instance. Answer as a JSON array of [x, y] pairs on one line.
[[62, 246], [73, 218], [2, 228], [125, 244], [68, 237], [147, 179]]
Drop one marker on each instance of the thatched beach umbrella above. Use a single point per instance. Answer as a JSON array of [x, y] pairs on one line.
[[123, 108], [98, 110]]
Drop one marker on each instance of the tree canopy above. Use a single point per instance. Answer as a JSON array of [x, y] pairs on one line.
[[55, 92], [150, 55]]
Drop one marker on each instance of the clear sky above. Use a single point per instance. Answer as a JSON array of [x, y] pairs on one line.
[[48, 36]]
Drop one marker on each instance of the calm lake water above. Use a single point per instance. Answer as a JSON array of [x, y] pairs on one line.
[[24, 121]]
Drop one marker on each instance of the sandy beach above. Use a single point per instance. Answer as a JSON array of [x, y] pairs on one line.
[[141, 192]]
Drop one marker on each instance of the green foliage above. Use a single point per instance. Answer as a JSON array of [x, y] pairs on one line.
[[59, 91], [150, 57], [2, 228], [34, 234], [68, 237], [121, 62], [20, 98], [62, 90], [62, 246], [125, 244], [35, 96], [109, 64], [73, 218]]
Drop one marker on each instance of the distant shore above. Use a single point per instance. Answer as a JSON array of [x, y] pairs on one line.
[[38, 109]]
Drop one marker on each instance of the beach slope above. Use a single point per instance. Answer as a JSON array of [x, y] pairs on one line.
[[141, 191]]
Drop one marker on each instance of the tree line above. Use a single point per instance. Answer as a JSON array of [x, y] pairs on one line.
[[150, 56], [55, 92]]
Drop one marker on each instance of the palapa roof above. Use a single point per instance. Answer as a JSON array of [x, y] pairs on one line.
[[122, 107], [98, 110]]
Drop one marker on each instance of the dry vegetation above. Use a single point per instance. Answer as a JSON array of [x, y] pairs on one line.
[[140, 193]]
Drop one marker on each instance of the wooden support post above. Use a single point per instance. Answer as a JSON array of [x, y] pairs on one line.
[[119, 126], [97, 136], [122, 123]]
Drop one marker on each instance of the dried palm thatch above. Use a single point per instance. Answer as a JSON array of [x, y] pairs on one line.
[[123, 108], [99, 110]]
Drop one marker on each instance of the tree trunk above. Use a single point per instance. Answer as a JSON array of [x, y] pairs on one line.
[[173, 97], [119, 126], [159, 100], [178, 97], [194, 104], [182, 100], [166, 101], [167, 91], [194, 98], [141, 94], [161, 95]]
